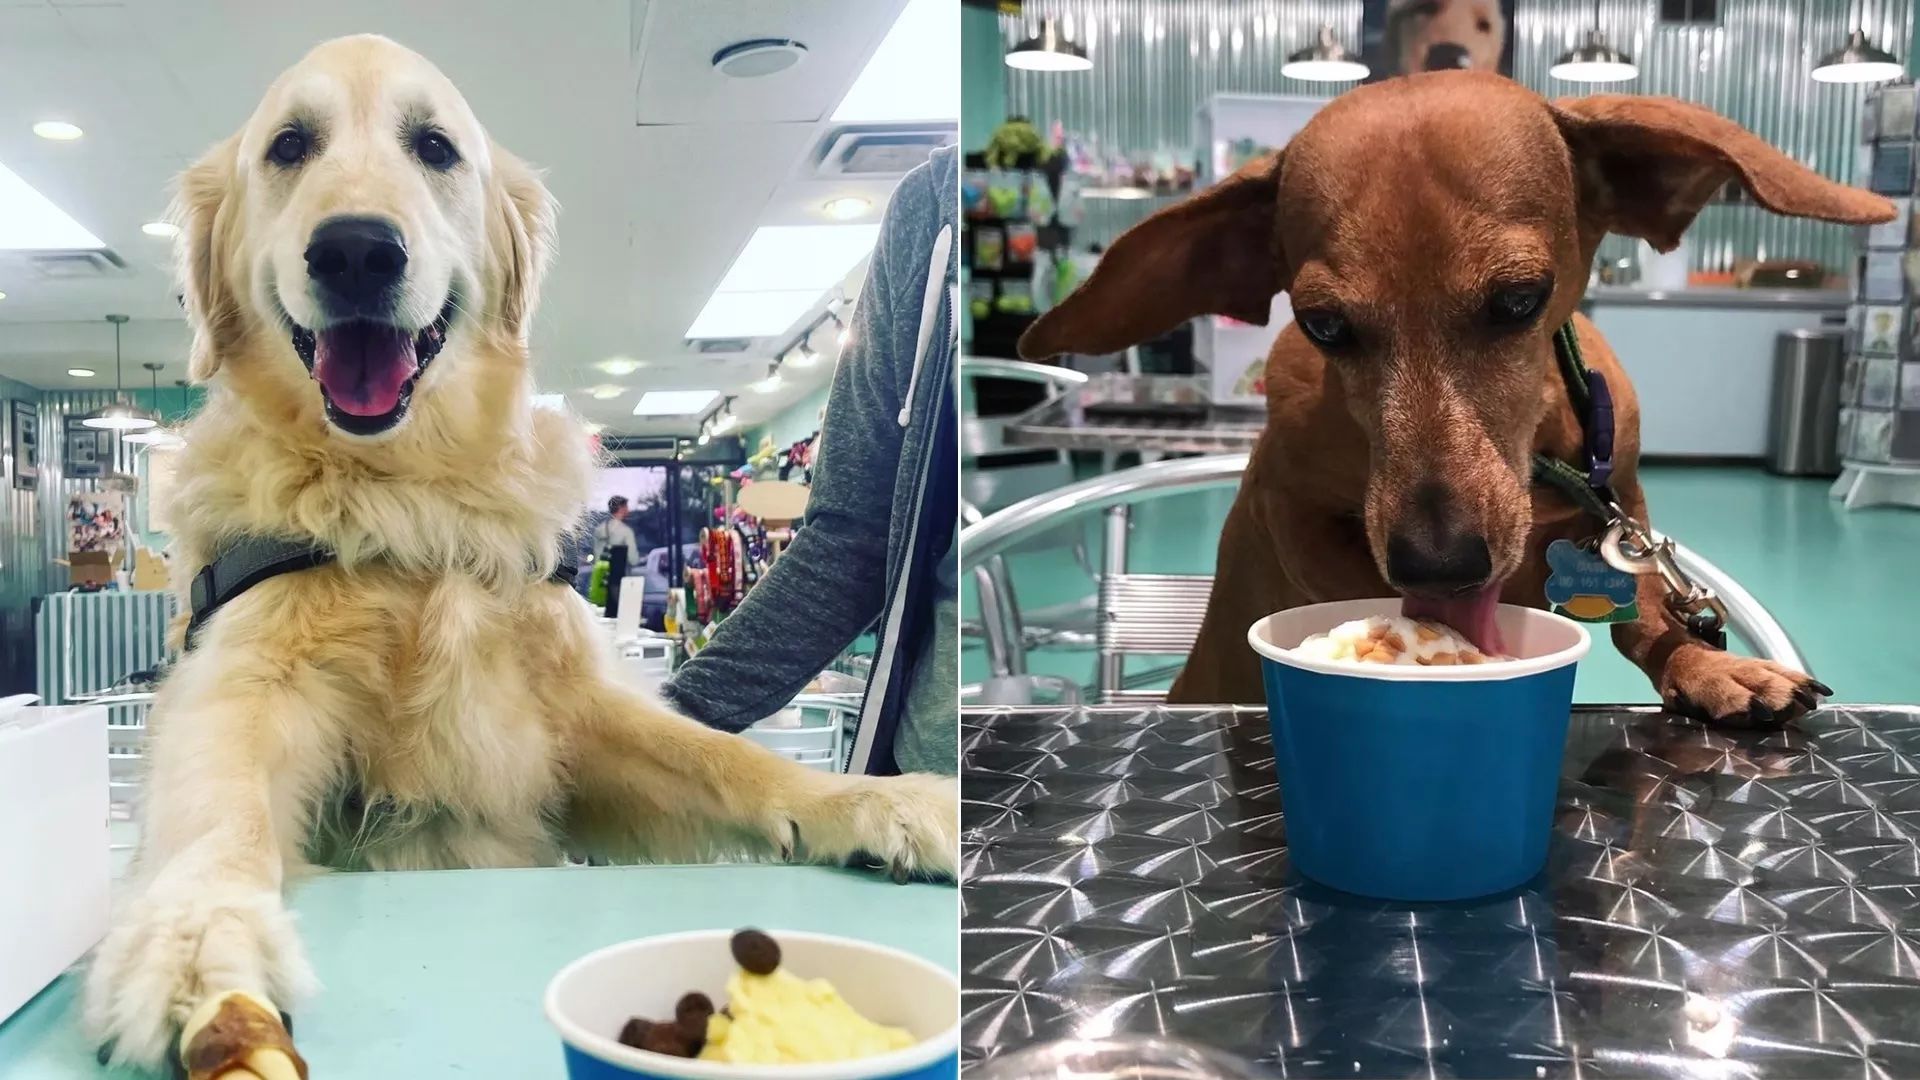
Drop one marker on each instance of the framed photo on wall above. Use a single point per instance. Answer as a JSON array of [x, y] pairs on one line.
[[23, 431], [1401, 37], [87, 452]]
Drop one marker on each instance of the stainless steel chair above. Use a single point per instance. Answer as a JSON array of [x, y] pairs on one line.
[[1160, 614]]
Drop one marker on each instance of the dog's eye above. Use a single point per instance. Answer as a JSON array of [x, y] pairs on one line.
[[1518, 305], [433, 148], [1484, 26], [1328, 329], [289, 147]]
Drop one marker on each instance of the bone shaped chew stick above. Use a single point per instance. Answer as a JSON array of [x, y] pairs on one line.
[[238, 1036]]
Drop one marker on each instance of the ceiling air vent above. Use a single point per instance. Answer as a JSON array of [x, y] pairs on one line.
[[879, 152], [1689, 12], [713, 346], [75, 265]]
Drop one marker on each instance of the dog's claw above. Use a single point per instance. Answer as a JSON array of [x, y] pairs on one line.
[[105, 1053], [901, 873], [1807, 697], [1820, 688], [1760, 714]]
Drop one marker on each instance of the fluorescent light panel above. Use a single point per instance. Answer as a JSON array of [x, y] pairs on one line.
[[29, 221], [914, 74], [550, 401], [673, 402], [779, 276]]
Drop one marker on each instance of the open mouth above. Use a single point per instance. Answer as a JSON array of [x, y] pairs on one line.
[[367, 370], [1471, 613]]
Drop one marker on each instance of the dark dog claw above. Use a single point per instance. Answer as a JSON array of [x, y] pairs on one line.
[[105, 1053], [901, 875], [1806, 696], [1759, 714], [1820, 688], [286, 1021]]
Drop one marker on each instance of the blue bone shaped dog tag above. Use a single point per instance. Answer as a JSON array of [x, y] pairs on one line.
[[1584, 588]]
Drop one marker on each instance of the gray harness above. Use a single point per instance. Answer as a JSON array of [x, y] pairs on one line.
[[250, 560]]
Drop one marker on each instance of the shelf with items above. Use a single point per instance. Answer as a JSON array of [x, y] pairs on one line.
[[1880, 382]]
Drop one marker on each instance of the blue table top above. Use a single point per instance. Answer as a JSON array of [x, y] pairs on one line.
[[440, 974]]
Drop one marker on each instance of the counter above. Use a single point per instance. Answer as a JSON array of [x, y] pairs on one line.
[[1715, 905], [440, 974], [1702, 360]]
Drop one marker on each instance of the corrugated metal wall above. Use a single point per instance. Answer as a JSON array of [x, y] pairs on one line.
[[1157, 61]]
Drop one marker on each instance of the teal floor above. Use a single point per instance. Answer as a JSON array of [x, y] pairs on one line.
[[1845, 585]]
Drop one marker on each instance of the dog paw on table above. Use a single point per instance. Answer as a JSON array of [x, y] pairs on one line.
[[907, 826], [170, 965], [1737, 691]]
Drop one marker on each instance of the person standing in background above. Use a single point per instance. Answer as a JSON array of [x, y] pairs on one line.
[[613, 540], [877, 549]]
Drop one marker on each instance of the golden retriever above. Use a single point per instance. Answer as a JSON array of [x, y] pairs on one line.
[[1445, 35], [360, 266]]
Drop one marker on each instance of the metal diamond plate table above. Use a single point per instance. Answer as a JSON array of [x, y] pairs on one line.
[[1715, 905]]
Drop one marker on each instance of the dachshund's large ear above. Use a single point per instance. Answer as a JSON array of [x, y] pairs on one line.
[[525, 217], [1646, 165], [1217, 253], [200, 211]]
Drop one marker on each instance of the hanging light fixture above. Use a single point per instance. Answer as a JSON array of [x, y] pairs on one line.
[[119, 416], [1326, 60], [1858, 61], [1049, 50], [1593, 60], [156, 436]]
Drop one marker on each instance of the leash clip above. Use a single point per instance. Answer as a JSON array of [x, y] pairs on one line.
[[1633, 548]]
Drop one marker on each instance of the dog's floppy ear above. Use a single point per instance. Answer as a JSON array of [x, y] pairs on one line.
[[1646, 165], [1215, 253], [524, 213], [200, 212]]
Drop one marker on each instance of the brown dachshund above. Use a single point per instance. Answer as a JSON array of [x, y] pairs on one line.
[[1434, 231]]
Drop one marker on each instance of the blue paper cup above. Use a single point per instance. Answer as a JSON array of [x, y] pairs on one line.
[[1418, 783], [593, 997]]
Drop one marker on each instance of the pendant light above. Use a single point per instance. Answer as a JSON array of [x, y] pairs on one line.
[[156, 436], [1049, 50], [1326, 60], [1858, 61], [119, 416], [1594, 60]]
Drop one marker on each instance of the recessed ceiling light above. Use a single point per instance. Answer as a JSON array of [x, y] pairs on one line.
[[913, 75], [80, 372], [57, 130], [29, 221], [758, 58], [847, 206], [3, 296], [160, 228], [673, 402], [606, 392], [619, 365]]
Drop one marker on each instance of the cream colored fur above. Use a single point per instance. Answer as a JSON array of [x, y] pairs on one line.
[[433, 667]]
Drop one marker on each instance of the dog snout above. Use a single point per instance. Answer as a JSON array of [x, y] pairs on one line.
[[356, 260], [1459, 562], [1447, 56]]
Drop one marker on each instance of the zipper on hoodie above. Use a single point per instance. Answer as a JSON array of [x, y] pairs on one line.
[[929, 306]]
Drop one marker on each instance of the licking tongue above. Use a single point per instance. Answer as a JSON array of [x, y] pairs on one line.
[[1469, 613], [363, 366]]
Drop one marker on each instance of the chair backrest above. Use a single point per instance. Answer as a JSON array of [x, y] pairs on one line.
[[1146, 614]]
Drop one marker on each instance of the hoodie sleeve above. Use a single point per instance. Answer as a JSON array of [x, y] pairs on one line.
[[830, 583]]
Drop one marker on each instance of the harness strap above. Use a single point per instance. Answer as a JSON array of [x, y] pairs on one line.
[[1593, 406], [250, 560]]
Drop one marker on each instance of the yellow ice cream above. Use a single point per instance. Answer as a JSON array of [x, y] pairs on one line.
[[781, 1019]]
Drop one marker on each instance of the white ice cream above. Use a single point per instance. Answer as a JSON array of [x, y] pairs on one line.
[[1394, 639]]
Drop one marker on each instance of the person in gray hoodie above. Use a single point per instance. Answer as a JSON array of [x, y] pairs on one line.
[[878, 547]]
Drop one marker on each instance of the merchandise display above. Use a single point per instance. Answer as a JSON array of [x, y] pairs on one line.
[[1880, 392]]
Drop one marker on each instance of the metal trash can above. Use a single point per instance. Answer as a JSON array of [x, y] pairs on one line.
[[1804, 431]]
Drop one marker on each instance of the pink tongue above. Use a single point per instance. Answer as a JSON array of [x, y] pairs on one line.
[[1471, 614], [363, 367]]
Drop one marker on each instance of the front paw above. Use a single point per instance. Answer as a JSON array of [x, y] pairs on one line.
[[908, 826], [177, 946], [237, 1036], [1738, 691]]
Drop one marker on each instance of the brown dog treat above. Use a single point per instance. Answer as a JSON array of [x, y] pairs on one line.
[[1395, 642], [1445, 659], [691, 1014], [1383, 654], [244, 1038], [635, 1033], [756, 951], [667, 1039], [1426, 633], [1473, 658]]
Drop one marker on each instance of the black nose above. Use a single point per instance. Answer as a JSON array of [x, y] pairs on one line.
[[1447, 56], [1458, 562], [357, 259]]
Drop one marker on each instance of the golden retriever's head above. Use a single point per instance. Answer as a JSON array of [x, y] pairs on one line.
[[1445, 35], [361, 224]]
